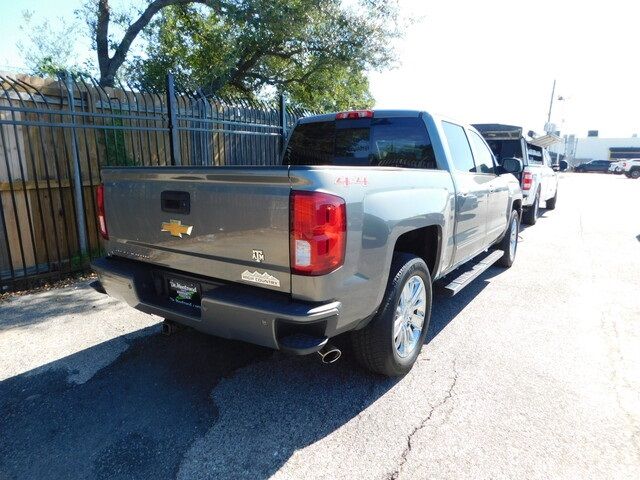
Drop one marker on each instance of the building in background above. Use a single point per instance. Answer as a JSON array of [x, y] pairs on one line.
[[579, 150]]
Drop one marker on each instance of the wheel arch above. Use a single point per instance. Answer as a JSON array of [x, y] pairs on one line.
[[424, 242], [516, 204]]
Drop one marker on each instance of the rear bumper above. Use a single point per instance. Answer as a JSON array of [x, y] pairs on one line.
[[234, 311]]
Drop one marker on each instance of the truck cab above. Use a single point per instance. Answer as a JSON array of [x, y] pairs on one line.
[[538, 180]]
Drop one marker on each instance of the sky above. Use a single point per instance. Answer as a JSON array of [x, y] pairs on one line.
[[489, 61], [495, 61]]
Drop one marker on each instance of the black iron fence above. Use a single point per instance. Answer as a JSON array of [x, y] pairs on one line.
[[56, 135]]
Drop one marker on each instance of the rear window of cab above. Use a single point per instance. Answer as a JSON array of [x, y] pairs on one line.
[[384, 142]]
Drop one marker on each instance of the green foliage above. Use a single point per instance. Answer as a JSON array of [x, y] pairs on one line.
[[80, 261], [317, 51], [114, 143], [49, 51]]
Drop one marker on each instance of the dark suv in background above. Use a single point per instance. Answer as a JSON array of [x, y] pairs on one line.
[[594, 166]]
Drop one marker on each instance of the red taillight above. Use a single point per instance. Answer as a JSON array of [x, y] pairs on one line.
[[102, 219], [318, 232], [527, 181], [354, 114]]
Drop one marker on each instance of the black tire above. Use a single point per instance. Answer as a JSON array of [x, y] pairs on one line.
[[551, 203], [530, 215], [635, 174], [508, 258], [373, 345]]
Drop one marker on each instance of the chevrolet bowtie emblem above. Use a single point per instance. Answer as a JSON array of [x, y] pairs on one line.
[[176, 229]]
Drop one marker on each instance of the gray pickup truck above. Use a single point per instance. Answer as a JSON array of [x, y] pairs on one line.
[[367, 210]]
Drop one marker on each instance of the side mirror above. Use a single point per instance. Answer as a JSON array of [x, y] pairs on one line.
[[512, 165]]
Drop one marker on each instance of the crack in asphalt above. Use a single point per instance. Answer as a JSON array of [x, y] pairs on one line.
[[403, 458], [618, 379], [615, 359]]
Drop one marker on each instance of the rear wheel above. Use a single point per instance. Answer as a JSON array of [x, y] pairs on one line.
[[635, 173], [509, 244], [392, 340], [530, 215]]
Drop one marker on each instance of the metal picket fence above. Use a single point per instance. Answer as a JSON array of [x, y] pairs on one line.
[[56, 135]]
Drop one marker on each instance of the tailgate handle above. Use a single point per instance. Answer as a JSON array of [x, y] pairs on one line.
[[175, 202]]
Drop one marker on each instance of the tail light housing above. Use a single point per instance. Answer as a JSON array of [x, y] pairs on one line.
[[318, 232], [353, 114], [527, 181], [102, 219]]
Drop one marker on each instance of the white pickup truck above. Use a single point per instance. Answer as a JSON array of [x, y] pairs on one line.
[[539, 180], [631, 168]]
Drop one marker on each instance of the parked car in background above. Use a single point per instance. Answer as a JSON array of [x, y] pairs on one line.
[[367, 209], [616, 167], [601, 166], [631, 168], [539, 181]]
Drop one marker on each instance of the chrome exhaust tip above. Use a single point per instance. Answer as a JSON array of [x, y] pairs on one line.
[[329, 354]]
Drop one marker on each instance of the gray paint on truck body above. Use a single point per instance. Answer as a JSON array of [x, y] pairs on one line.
[[237, 209]]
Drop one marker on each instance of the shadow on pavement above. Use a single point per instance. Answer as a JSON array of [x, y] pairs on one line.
[[446, 308], [27, 310], [185, 398]]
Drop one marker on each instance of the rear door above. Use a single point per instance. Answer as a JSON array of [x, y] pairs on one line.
[[498, 195], [228, 223], [472, 191]]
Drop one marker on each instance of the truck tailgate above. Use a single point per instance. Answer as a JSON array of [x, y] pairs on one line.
[[228, 223]]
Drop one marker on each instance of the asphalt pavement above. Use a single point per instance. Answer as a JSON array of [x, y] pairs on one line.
[[531, 372]]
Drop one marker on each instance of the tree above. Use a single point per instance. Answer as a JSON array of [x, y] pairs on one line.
[[316, 50], [98, 17]]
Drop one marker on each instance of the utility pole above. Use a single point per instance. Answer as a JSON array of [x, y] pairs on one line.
[[553, 92], [78, 195]]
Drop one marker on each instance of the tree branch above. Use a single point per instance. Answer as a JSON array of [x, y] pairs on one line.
[[112, 64], [245, 66], [102, 36]]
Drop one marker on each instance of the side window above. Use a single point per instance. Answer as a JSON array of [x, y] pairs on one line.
[[535, 155], [459, 147], [401, 142], [481, 154]]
